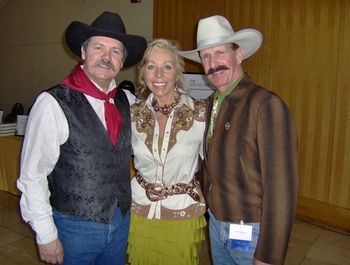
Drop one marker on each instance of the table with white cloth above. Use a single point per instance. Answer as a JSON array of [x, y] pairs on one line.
[[10, 152]]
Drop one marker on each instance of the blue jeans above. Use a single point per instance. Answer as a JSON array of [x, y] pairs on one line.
[[92, 243], [221, 246]]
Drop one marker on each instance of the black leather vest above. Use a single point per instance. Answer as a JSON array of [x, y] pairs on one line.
[[92, 177]]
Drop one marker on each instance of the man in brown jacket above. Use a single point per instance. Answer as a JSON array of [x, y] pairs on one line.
[[251, 164]]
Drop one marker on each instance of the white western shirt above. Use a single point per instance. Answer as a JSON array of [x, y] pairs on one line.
[[47, 129], [175, 162]]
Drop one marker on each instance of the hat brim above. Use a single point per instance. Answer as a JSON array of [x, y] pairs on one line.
[[78, 32], [249, 40]]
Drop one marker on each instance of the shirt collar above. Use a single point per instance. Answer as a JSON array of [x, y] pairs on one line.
[[221, 96]]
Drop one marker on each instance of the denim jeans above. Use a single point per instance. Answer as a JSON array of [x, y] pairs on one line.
[[91, 243], [221, 246]]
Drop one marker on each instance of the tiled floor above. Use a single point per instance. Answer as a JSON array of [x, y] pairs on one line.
[[309, 244]]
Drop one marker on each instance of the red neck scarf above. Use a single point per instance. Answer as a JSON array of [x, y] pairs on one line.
[[79, 81]]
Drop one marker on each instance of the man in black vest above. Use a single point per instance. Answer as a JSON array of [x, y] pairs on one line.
[[76, 152]]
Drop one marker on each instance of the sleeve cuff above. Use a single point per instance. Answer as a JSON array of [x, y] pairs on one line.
[[45, 230]]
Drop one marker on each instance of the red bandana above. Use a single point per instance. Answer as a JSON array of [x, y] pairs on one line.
[[79, 81]]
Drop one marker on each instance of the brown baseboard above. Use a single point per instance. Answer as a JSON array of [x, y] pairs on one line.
[[324, 214]]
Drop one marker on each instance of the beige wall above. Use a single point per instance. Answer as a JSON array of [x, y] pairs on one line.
[[33, 55]]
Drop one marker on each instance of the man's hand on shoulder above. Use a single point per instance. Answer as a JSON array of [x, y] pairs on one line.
[[52, 252]]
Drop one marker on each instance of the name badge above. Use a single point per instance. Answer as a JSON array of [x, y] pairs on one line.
[[241, 232]]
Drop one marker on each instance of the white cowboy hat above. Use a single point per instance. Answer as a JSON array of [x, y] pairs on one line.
[[216, 30]]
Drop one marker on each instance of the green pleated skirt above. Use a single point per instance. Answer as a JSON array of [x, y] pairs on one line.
[[165, 242]]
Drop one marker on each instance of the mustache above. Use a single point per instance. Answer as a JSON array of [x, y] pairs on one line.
[[105, 64], [217, 69]]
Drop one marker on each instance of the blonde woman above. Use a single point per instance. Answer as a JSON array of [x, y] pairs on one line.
[[168, 208]]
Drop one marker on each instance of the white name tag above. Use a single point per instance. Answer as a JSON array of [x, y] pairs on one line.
[[241, 232]]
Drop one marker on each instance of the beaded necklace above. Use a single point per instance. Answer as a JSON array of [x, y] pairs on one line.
[[166, 109]]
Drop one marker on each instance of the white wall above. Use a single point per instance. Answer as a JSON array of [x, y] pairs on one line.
[[32, 52]]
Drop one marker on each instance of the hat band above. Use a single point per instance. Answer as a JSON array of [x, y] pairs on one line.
[[209, 41]]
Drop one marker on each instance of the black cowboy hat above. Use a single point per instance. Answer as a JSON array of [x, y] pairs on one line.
[[108, 25]]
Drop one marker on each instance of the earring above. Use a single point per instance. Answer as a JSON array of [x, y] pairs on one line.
[[179, 90], [176, 87]]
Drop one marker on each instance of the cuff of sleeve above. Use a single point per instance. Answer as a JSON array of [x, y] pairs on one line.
[[46, 231]]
